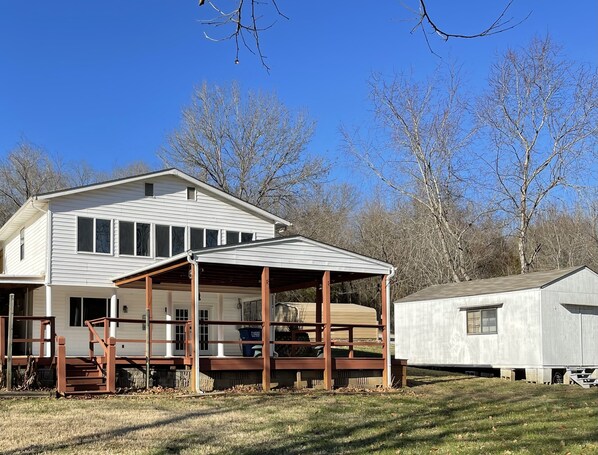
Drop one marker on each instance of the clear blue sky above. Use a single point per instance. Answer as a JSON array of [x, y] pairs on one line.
[[105, 81]]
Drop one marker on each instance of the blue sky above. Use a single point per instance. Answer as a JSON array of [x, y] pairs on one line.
[[106, 81]]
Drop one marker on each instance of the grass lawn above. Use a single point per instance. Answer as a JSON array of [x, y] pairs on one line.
[[440, 413]]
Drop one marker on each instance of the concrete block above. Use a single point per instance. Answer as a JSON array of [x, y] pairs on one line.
[[507, 373]]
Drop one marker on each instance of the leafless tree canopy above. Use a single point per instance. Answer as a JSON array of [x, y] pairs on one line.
[[249, 146], [541, 116], [423, 160], [26, 171]]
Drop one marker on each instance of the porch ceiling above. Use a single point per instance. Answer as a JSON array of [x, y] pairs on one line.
[[176, 277]]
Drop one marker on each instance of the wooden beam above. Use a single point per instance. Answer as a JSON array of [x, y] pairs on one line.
[[144, 275], [295, 286], [384, 304], [319, 311], [327, 331], [266, 328]]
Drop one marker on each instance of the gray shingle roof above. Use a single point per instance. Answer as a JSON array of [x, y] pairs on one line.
[[491, 285]]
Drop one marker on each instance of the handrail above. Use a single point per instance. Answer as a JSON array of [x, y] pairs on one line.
[[94, 338], [45, 321]]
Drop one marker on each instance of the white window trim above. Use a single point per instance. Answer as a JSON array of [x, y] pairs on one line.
[[205, 232], [480, 309], [226, 231], [93, 233], [152, 243], [22, 244], [68, 305], [170, 227]]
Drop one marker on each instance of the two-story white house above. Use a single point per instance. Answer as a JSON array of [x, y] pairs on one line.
[[171, 247]]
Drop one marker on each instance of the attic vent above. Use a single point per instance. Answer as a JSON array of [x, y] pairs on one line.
[[190, 193], [149, 189]]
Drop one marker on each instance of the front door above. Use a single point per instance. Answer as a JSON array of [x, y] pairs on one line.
[[180, 314]]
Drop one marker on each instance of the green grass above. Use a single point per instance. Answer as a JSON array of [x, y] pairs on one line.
[[440, 413]]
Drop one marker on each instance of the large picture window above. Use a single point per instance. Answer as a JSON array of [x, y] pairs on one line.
[[94, 235], [481, 321], [85, 309]]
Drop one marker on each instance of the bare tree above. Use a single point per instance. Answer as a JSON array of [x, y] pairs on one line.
[[26, 171], [426, 124], [245, 21], [541, 116], [251, 147]]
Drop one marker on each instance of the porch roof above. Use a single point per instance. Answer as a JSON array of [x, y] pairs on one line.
[[295, 263], [21, 281]]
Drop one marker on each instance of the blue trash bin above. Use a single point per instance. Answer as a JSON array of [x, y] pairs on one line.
[[249, 334]]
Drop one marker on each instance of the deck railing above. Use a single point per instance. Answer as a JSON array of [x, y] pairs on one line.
[[45, 322]]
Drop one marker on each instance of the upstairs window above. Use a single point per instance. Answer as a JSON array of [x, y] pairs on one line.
[[170, 240], [133, 238], [481, 321], [94, 235], [149, 189], [142, 239], [234, 237], [203, 238], [190, 193], [22, 244]]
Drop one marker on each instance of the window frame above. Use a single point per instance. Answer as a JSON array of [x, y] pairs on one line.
[[204, 241], [81, 309], [170, 239], [191, 193], [239, 237], [149, 190], [94, 240], [480, 311], [151, 239]]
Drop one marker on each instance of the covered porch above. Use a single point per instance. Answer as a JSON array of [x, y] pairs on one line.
[[203, 342]]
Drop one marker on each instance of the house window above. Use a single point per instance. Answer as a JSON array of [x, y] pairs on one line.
[[190, 193], [212, 237], [481, 321], [126, 237], [170, 240], [142, 239], [162, 241], [203, 238], [22, 243], [94, 235], [1, 261], [234, 237], [86, 309], [149, 189], [197, 240], [177, 240]]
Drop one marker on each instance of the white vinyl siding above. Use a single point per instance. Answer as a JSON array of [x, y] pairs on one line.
[[127, 202], [34, 261]]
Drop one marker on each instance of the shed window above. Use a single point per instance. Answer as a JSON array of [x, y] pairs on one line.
[[94, 235], [481, 321], [149, 189]]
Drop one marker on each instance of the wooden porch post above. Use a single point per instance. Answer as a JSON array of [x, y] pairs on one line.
[[148, 327], [384, 304], [327, 331], [266, 328], [319, 312]]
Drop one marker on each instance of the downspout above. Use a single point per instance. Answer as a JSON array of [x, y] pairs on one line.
[[196, 300], [388, 303]]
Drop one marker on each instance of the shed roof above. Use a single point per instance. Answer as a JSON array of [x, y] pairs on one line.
[[509, 283]]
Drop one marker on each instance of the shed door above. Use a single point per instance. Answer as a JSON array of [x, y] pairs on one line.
[[589, 334]]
